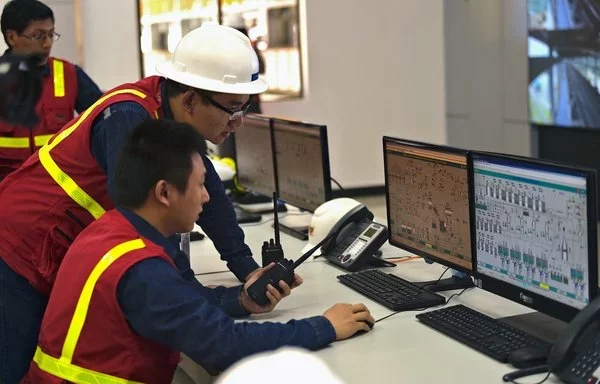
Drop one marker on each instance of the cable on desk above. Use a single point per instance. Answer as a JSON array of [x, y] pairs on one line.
[[539, 382], [338, 184], [457, 294], [438, 280], [397, 260], [422, 309]]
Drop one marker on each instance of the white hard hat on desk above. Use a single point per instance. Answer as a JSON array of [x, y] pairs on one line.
[[215, 58], [324, 218], [286, 365]]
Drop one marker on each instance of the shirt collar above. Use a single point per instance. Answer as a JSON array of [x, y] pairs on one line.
[[166, 107], [146, 230]]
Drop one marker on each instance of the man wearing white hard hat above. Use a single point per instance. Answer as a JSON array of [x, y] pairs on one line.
[[67, 185]]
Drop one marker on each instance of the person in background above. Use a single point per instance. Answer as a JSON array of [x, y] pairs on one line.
[[68, 183], [28, 29], [125, 301]]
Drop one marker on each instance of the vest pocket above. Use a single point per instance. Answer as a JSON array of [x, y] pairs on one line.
[[56, 244], [56, 117]]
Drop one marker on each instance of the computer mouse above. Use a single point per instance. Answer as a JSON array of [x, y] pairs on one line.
[[528, 357]]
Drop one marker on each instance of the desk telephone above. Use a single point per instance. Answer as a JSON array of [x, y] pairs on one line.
[[575, 357], [357, 241]]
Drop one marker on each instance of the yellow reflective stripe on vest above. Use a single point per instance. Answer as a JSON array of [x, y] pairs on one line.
[[73, 373], [65, 181], [23, 142], [40, 140], [14, 142], [58, 68], [62, 367]]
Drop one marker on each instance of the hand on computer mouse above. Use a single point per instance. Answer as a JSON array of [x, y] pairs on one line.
[[347, 319]]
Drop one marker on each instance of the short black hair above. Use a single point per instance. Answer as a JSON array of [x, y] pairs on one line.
[[175, 89], [155, 150], [18, 14]]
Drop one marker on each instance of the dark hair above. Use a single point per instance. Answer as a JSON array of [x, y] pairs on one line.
[[18, 14], [175, 89], [155, 150]]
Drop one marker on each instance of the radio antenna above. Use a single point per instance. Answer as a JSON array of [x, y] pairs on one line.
[[276, 218]]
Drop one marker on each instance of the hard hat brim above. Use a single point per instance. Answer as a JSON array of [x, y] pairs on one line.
[[169, 71]]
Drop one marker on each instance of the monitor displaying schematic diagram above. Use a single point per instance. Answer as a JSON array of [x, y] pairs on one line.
[[427, 201], [254, 155], [535, 230], [302, 163]]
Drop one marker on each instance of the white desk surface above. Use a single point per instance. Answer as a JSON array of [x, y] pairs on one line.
[[398, 349]]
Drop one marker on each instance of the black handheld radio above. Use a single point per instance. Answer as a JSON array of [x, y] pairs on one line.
[[282, 270]]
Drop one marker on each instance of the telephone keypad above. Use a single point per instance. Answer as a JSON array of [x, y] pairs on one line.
[[588, 363]]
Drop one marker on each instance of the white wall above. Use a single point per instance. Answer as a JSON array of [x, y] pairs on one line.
[[486, 75], [110, 41], [374, 68]]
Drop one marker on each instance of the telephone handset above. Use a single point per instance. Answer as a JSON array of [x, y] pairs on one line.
[[357, 241], [575, 357]]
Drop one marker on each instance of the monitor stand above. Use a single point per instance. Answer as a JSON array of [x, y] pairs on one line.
[[296, 225], [448, 284], [536, 324], [375, 260]]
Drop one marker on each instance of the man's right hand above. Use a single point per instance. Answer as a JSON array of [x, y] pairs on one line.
[[347, 319]]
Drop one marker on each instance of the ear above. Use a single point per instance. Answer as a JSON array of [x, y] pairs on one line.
[[11, 37], [189, 100], [161, 193]]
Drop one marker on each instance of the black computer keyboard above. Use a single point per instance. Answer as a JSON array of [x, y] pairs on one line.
[[487, 335], [391, 291]]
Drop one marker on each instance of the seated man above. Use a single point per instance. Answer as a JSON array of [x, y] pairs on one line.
[[125, 301]]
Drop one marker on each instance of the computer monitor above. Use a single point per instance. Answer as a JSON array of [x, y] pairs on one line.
[[302, 163], [534, 229], [254, 155], [428, 205]]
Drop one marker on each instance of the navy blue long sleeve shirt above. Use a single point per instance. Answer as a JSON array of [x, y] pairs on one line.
[[218, 219], [171, 307]]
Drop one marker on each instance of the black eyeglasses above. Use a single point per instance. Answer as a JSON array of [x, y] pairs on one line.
[[41, 36], [233, 115]]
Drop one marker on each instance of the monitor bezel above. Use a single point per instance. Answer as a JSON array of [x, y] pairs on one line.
[[262, 118], [521, 295], [434, 147], [324, 158]]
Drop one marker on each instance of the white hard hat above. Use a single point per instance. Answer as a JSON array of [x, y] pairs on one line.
[[215, 58], [271, 367], [325, 217]]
